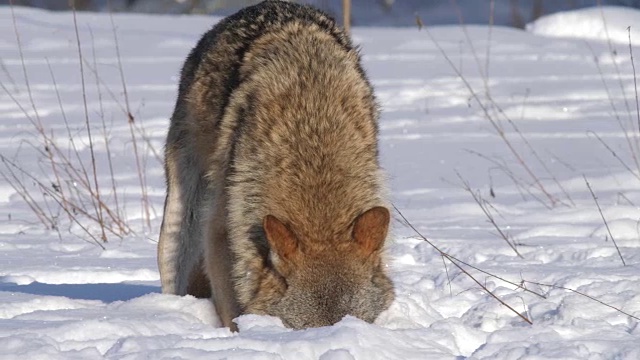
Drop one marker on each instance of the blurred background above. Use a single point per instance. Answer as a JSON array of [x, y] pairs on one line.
[[514, 13]]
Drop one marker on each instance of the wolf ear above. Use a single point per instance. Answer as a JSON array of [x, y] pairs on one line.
[[280, 238], [370, 229]]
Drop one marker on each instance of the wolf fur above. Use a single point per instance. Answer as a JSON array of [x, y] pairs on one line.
[[274, 191]]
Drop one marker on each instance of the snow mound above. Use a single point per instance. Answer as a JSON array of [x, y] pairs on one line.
[[595, 23]]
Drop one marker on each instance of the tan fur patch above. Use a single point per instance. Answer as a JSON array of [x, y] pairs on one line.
[[276, 123]]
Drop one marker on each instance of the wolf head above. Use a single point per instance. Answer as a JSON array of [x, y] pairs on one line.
[[308, 287]]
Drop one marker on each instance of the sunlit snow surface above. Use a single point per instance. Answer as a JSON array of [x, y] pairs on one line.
[[62, 297], [610, 23]]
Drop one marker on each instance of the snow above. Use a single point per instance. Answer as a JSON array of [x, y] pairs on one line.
[[598, 23], [63, 297], [364, 12]]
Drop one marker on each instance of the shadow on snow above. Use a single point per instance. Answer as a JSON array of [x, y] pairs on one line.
[[104, 292]]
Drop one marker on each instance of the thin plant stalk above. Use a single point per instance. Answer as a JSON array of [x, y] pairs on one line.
[[625, 132], [97, 201], [635, 82], [593, 195], [22, 191], [104, 133], [454, 261], [10, 164], [614, 53], [482, 204], [143, 185], [582, 294], [553, 200]]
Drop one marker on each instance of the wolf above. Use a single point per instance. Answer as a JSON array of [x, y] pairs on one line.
[[275, 198]]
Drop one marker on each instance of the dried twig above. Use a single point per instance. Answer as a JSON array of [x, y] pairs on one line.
[[494, 123], [131, 120], [615, 155], [22, 191], [73, 193], [458, 263], [604, 220], [632, 150], [520, 184], [583, 294], [487, 58], [96, 201], [104, 134], [614, 53], [10, 164], [635, 82], [482, 204], [8, 74]]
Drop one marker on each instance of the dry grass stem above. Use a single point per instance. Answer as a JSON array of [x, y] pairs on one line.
[[583, 294], [483, 204], [8, 74], [10, 165], [457, 263], [143, 186], [615, 155], [499, 164], [494, 123], [614, 54], [604, 220], [635, 81], [97, 200], [22, 191], [71, 187]]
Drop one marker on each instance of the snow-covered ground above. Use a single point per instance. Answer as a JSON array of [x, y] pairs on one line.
[[63, 297], [364, 12], [590, 24]]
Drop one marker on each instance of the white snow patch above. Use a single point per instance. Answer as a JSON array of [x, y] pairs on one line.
[[596, 23]]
